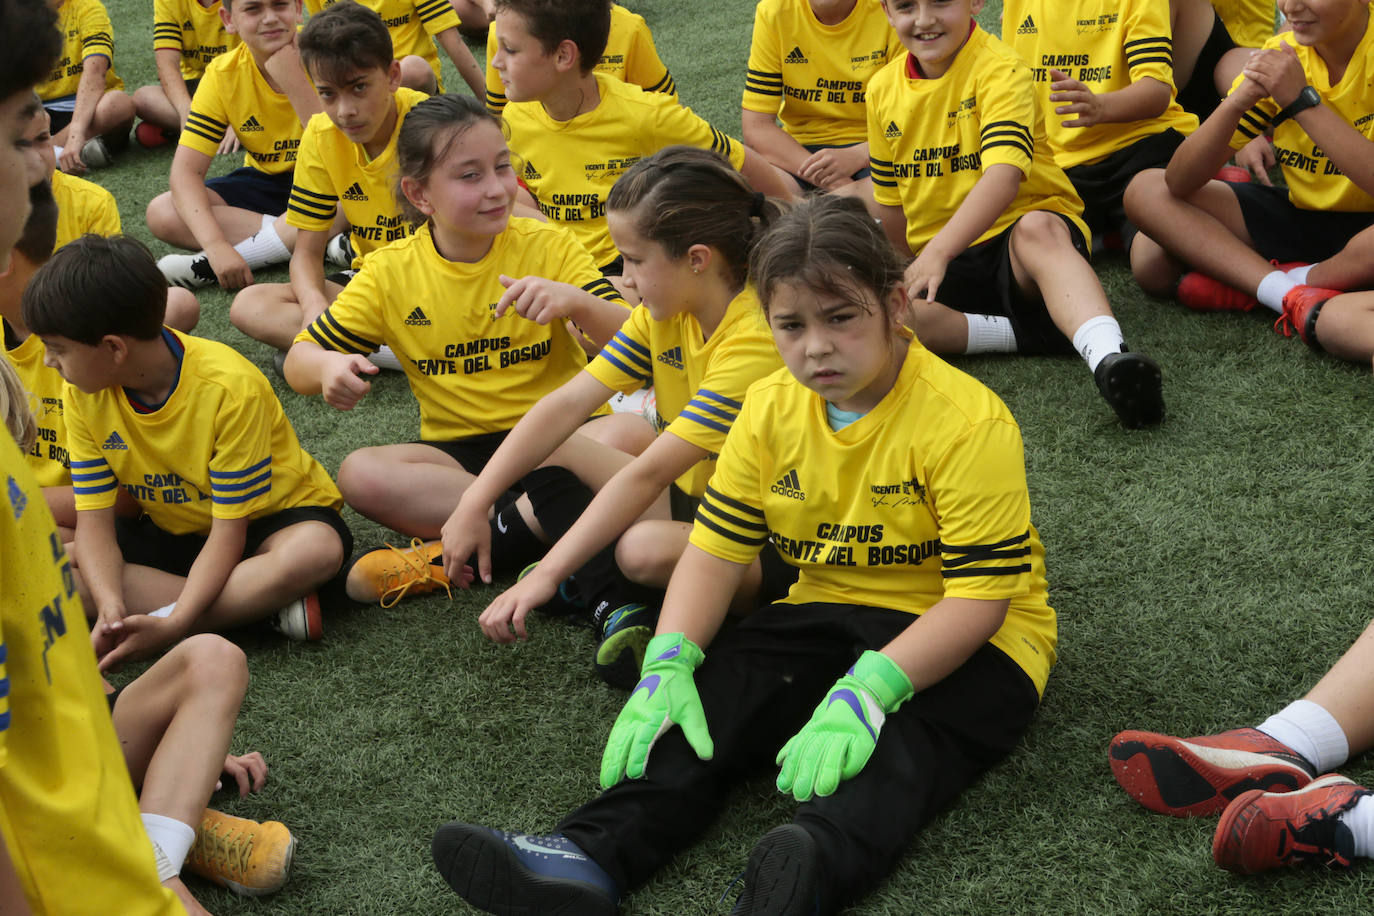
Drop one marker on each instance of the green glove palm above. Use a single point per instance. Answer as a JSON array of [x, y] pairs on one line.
[[665, 695], [839, 739]]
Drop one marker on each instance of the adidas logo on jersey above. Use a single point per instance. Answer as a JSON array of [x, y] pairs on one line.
[[250, 125], [893, 131], [531, 173], [114, 443], [671, 357], [417, 318], [1027, 27], [789, 485], [17, 498], [354, 192], [795, 56], [188, 24]]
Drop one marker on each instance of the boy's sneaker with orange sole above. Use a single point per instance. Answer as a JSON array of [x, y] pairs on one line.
[[1301, 307], [1189, 777], [246, 857], [388, 574], [301, 620], [1263, 830]]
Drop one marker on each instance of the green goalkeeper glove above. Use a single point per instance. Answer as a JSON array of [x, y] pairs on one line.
[[665, 695], [843, 730]]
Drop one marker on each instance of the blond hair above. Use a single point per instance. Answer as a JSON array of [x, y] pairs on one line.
[[15, 407]]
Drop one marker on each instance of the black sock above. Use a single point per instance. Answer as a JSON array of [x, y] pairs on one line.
[[513, 544]]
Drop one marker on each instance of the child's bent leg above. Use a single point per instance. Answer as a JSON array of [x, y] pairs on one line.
[[940, 328], [183, 309], [1347, 692], [1045, 263], [289, 564], [267, 312], [1351, 268], [648, 552], [151, 105], [165, 223], [1206, 231], [411, 488], [416, 73], [175, 723]]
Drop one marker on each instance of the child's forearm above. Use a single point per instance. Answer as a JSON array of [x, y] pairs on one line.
[[598, 318], [939, 641], [192, 198], [169, 77], [307, 274], [305, 366], [286, 69], [100, 561], [222, 551], [1143, 100], [88, 93], [763, 176], [763, 135], [1206, 149], [988, 199], [893, 221], [699, 595], [463, 61]]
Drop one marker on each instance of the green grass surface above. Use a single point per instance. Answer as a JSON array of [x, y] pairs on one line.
[[1205, 573]]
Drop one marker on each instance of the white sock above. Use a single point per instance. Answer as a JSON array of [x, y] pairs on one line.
[[172, 839], [1311, 731], [1096, 338], [1299, 274], [384, 358], [164, 611], [264, 248], [990, 334], [1273, 288], [1360, 820]]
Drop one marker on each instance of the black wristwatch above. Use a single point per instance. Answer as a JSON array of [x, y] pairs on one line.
[[1308, 98]]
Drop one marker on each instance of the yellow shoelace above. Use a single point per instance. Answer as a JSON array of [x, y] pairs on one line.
[[411, 570]]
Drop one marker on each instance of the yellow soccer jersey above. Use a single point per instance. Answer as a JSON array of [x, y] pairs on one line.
[[412, 24], [195, 32], [630, 56], [85, 28], [1105, 45], [234, 95], [471, 372], [698, 384], [930, 140], [48, 458], [1249, 22], [219, 446], [1314, 182], [332, 168], [82, 206], [68, 814], [569, 166], [813, 76], [920, 499]]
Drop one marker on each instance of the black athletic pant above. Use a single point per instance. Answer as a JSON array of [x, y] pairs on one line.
[[759, 685]]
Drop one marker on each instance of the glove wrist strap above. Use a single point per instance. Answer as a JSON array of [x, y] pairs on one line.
[[881, 675]]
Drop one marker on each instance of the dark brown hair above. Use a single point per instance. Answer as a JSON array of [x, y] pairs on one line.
[[343, 37], [586, 23], [427, 133], [96, 286]]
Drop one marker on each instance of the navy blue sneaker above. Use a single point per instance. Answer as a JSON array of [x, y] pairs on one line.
[[517, 874], [625, 633], [564, 603], [780, 879]]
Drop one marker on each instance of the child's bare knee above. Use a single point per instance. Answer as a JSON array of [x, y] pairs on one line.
[[162, 217], [416, 73], [363, 479], [211, 662], [1145, 187], [183, 309]]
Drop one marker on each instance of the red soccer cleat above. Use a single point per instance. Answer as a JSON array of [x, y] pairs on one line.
[[1233, 173], [150, 136], [1188, 777], [1264, 830], [1301, 306], [1202, 293]]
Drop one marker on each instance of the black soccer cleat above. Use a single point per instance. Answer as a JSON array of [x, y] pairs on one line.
[[780, 879], [1134, 387]]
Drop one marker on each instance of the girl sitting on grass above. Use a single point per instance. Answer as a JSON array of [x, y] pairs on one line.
[[919, 621]]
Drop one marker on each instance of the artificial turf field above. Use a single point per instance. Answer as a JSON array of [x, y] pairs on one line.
[[1205, 573]]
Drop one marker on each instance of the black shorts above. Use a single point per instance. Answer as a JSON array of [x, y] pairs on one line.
[[250, 189], [1282, 232], [472, 453], [145, 544], [613, 268], [1200, 96], [1102, 184], [980, 282]]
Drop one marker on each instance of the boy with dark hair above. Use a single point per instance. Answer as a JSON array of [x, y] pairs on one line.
[[415, 27], [964, 179], [1289, 249], [240, 523], [347, 162], [91, 114], [66, 805], [630, 55], [187, 35], [575, 131], [261, 92]]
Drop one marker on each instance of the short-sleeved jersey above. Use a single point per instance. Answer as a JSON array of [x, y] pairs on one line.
[[930, 140], [630, 56], [569, 166], [332, 170], [922, 498], [412, 24], [1107, 46], [699, 384], [471, 372], [1249, 22], [234, 95], [68, 814], [85, 28], [48, 457], [219, 446], [82, 206], [1314, 182], [195, 32], [813, 76]]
